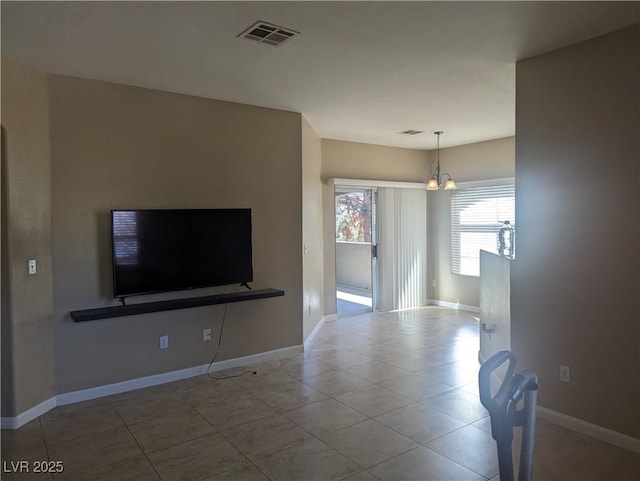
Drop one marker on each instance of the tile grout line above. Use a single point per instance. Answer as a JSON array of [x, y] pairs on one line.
[[339, 367], [46, 444], [218, 431], [136, 441]]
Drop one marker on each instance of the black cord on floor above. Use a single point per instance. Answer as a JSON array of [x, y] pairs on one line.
[[220, 378]]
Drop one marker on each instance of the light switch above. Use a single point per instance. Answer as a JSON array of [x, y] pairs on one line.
[[33, 268]]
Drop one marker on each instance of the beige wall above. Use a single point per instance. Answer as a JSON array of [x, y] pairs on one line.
[[493, 159], [7, 401], [27, 300], [575, 282], [329, 248], [312, 260], [352, 160], [115, 146]]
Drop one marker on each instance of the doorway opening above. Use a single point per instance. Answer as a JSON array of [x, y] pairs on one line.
[[355, 250]]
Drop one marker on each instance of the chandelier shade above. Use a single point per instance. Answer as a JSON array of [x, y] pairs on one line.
[[437, 179]]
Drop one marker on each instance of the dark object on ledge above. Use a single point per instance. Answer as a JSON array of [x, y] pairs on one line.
[[172, 304], [506, 239]]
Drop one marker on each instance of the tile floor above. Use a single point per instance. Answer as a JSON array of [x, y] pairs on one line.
[[351, 301], [388, 396]]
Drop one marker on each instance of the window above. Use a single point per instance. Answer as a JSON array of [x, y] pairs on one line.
[[477, 214], [353, 216]]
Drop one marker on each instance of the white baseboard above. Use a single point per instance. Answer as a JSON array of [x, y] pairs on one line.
[[142, 382], [452, 305], [29, 415], [580, 426], [128, 385], [310, 338], [598, 432], [256, 358], [574, 424]]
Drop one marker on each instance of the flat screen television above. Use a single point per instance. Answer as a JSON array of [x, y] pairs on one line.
[[161, 250]]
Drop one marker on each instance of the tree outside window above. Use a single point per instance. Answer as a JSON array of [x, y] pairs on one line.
[[353, 216]]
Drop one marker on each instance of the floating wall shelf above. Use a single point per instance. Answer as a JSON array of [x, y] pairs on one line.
[[173, 304]]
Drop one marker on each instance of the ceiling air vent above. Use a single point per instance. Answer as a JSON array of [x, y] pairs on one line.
[[411, 132], [268, 33]]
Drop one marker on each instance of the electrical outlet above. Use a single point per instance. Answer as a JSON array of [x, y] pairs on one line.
[[33, 267], [565, 374], [164, 342], [206, 334]]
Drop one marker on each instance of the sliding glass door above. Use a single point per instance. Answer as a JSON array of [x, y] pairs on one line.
[[355, 250]]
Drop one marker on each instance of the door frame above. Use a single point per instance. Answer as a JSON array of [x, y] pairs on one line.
[[373, 258]]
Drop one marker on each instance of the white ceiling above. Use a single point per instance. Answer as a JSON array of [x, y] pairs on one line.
[[359, 71]]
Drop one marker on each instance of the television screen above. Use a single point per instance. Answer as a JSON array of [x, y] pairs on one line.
[[169, 250]]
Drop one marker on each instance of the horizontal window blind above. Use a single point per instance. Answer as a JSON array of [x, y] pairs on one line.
[[477, 214]]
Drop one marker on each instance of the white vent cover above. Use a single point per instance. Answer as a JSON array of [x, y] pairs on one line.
[[411, 132], [268, 33]]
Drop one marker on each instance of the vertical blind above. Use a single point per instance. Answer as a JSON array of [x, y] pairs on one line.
[[403, 248], [477, 214]]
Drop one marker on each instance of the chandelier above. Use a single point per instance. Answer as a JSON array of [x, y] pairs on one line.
[[437, 179]]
